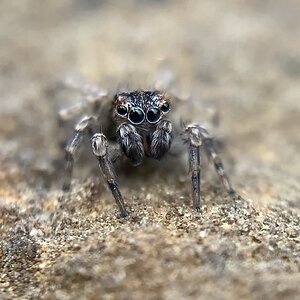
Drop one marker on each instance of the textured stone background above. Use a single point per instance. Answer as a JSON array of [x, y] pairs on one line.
[[240, 56]]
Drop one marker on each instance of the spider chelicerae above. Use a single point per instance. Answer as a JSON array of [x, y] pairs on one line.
[[135, 124]]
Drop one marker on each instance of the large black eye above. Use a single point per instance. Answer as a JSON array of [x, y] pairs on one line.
[[136, 116], [165, 107], [153, 115], [122, 110]]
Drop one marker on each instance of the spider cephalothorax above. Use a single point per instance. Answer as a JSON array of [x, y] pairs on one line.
[[141, 107], [137, 127]]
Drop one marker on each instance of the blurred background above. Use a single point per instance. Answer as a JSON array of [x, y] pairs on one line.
[[242, 56]]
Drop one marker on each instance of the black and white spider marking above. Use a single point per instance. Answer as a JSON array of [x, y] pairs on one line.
[[134, 124]]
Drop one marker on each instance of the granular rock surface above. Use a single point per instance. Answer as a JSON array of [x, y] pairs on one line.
[[241, 58]]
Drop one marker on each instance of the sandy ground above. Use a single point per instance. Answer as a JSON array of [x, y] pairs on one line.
[[239, 56]]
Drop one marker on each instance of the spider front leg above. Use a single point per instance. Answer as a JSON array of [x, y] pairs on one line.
[[84, 126], [199, 137], [100, 148], [195, 142]]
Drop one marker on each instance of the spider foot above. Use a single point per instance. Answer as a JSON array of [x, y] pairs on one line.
[[197, 209], [66, 187], [232, 193], [124, 214]]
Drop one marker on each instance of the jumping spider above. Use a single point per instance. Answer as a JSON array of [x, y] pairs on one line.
[[134, 124]]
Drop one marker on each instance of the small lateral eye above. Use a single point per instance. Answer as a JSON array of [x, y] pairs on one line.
[[153, 115], [136, 116], [165, 107], [122, 110]]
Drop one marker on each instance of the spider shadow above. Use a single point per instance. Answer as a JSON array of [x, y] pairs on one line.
[[152, 172]]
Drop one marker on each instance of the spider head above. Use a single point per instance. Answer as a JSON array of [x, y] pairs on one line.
[[141, 107]]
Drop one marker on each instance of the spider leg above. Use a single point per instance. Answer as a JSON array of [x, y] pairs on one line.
[[212, 155], [90, 103], [66, 114], [100, 149], [198, 136], [84, 126], [76, 82], [90, 100], [195, 143]]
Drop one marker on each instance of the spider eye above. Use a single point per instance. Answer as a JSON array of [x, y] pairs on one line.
[[136, 116], [153, 115], [122, 110], [165, 107]]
